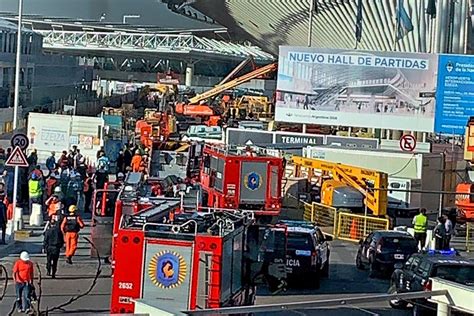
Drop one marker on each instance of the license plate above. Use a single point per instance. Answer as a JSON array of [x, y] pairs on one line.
[[398, 256]]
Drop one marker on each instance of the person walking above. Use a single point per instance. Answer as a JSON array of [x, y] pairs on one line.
[[54, 205], [70, 227], [52, 244], [449, 231], [51, 162], [3, 220], [420, 225], [23, 275], [440, 234], [88, 192], [136, 161], [120, 162]]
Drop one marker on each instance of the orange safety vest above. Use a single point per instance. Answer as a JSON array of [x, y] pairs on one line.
[[136, 161], [53, 208]]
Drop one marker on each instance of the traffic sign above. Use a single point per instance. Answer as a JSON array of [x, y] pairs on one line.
[[408, 143], [20, 140], [17, 158]]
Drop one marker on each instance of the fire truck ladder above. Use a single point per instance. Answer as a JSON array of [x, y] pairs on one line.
[[233, 83]]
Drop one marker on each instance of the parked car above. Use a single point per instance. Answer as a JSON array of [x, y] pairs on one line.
[[415, 274], [381, 250], [307, 252]]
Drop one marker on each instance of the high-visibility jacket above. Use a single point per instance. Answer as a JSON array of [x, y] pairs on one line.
[[420, 223], [34, 188]]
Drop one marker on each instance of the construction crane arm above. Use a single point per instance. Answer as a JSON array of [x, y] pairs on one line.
[[233, 83]]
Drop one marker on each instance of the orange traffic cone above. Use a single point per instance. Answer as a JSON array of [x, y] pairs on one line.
[[353, 231]]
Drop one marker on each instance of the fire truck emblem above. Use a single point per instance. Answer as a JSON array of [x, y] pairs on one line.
[[253, 181], [167, 269]]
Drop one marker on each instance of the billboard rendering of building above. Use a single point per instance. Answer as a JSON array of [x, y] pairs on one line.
[[329, 86]]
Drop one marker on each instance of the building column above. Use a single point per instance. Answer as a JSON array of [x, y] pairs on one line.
[[189, 75]]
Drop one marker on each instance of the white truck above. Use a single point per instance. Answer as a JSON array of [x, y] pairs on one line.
[[55, 132]]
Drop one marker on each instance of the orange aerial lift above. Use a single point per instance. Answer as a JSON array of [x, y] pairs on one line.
[[194, 107], [339, 182]]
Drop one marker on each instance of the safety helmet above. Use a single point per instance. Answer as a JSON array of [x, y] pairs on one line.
[[57, 189], [120, 175], [34, 176], [72, 209], [137, 152], [24, 256]]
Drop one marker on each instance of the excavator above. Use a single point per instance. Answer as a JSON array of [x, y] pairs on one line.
[[197, 107]]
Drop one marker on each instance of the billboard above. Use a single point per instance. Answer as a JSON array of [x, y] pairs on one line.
[[455, 93], [356, 88]]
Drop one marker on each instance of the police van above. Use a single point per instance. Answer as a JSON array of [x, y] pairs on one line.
[[307, 252]]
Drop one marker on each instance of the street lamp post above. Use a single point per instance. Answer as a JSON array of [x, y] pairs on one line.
[[16, 105]]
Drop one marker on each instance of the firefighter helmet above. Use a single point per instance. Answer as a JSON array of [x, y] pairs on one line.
[[72, 209]]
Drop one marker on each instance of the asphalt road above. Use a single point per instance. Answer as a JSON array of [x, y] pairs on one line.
[[344, 281]]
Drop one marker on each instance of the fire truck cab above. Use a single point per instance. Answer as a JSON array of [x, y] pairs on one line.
[[241, 179], [196, 261]]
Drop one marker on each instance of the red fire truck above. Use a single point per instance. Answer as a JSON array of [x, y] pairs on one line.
[[242, 180], [199, 260]]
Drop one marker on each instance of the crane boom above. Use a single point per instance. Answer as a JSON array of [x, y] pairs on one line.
[[356, 177], [233, 83]]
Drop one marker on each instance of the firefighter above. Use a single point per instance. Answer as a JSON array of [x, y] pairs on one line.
[[70, 227], [120, 177], [54, 205], [52, 244], [136, 161]]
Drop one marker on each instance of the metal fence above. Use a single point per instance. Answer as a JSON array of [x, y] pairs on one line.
[[342, 225], [353, 227]]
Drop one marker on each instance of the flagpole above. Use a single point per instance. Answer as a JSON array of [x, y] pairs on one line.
[[397, 21], [310, 35]]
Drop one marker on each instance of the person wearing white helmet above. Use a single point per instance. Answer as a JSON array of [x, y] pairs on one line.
[[23, 275]]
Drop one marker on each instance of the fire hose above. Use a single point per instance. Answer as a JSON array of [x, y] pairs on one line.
[[64, 304]]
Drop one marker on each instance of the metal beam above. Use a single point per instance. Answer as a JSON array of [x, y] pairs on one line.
[[317, 304], [148, 43]]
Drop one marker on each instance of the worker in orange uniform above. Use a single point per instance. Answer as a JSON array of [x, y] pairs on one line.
[[54, 205], [70, 227], [136, 161]]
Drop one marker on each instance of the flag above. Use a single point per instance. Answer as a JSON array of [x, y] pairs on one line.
[[358, 29], [431, 8], [404, 25]]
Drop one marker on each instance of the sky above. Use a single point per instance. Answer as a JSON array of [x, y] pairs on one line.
[[152, 12]]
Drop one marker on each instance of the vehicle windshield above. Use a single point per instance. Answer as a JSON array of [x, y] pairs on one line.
[[456, 273], [297, 241], [393, 243]]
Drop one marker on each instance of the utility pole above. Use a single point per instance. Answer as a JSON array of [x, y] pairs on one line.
[[16, 103]]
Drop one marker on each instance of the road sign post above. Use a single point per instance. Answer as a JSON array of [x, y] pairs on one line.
[[408, 143], [16, 159]]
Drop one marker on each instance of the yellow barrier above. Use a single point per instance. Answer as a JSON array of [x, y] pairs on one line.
[[353, 227], [324, 216], [469, 236], [308, 212]]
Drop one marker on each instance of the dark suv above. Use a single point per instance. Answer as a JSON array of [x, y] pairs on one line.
[[307, 252], [415, 274], [381, 250]]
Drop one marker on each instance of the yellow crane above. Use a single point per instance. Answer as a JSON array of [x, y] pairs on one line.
[[363, 180]]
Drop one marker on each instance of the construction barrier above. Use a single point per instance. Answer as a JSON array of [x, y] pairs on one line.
[[469, 236], [353, 227]]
